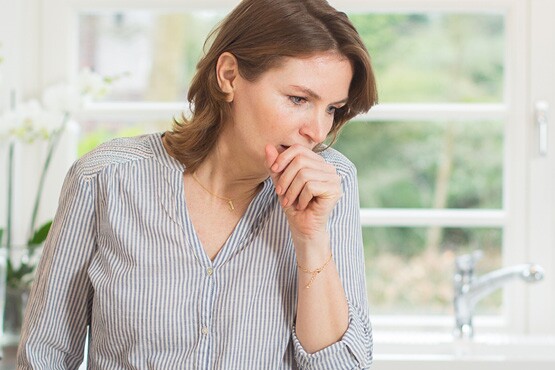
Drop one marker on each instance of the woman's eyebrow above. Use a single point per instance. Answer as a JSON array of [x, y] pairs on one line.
[[314, 95]]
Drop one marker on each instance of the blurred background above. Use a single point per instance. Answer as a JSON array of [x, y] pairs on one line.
[[448, 162]]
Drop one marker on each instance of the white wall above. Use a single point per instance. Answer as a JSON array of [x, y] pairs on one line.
[[21, 48]]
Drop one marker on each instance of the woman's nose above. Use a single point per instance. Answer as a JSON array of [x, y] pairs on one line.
[[317, 128]]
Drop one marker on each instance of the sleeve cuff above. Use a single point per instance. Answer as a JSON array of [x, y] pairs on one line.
[[353, 351]]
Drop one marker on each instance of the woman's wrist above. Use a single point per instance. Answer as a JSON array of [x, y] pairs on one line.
[[312, 252]]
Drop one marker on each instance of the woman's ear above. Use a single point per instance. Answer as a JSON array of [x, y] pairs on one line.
[[227, 70]]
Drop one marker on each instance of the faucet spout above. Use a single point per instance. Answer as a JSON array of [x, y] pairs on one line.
[[490, 282], [469, 290]]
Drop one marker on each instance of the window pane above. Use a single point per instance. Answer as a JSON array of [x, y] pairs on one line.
[[157, 52], [436, 57], [426, 164], [410, 270], [423, 57], [96, 132]]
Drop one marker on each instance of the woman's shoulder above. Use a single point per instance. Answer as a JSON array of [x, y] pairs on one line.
[[117, 151], [343, 164]]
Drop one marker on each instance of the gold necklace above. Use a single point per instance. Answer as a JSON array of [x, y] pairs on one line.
[[228, 200]]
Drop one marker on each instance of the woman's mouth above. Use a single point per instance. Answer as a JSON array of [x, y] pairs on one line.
[[282, 148]]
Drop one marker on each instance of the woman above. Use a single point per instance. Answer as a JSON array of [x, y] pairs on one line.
[[234, 241]]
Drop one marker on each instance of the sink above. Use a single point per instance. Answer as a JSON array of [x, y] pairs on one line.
[[424, 350]]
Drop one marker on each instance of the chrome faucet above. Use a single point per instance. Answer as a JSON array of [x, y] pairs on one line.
[[469, 289]]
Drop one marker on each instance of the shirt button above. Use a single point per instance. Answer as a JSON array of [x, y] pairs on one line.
[[209, 271], [204, 330]]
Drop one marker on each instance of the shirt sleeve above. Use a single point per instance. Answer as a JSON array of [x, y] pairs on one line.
[[354, 350], [58, 311]]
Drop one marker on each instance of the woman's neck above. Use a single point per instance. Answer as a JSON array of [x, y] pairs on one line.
[[229, 175]]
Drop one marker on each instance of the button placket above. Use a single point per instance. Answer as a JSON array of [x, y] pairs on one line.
[[209, 272], [206, 304]]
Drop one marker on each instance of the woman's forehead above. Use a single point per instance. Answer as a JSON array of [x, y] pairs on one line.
[[316, 75]]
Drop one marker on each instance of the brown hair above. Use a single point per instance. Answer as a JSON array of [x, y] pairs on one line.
[[259, 33]]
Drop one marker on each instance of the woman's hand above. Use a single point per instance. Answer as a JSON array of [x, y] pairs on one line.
[[308, 189]]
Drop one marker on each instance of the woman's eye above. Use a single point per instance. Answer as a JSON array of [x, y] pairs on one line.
[[297, 100], [333, 110]]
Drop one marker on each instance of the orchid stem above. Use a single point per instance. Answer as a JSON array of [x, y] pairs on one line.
[[52, 144], [9, 200]]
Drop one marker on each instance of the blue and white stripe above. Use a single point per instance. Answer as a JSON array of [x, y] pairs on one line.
[[123, 257]]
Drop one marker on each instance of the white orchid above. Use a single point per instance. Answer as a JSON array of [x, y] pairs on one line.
[[71, 97], [62, 98], [92, 84], [36, 120], [29, 122], [44, 121]]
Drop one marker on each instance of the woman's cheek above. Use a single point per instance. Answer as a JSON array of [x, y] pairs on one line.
[[280, 120]]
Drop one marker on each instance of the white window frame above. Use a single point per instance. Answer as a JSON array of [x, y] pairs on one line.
[[541, 175], [527, 216]]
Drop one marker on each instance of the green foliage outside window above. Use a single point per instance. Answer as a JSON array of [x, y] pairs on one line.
[[435, 57]]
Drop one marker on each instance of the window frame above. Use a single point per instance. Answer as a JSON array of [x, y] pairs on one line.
[[521, 210]]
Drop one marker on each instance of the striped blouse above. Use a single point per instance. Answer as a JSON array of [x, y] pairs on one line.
[[123, 262]]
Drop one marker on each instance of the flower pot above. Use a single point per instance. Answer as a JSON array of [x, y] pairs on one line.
[[20, 273], [16, 302]]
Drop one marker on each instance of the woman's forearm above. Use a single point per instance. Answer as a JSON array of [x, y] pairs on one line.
[[322, 309]]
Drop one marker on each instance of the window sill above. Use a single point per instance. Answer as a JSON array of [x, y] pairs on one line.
[[435, 350]]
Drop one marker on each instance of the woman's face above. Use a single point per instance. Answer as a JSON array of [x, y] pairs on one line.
[[291, 104]]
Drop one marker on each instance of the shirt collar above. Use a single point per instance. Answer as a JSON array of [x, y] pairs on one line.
[[162, 154]]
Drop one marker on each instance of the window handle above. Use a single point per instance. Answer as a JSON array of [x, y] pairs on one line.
[[542, 110]]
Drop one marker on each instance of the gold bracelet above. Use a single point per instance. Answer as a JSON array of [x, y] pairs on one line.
[[315, 271]]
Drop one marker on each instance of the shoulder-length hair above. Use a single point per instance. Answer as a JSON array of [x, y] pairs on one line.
[[260, 33]]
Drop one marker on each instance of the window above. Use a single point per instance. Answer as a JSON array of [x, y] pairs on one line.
[[410, 163], [429, 59], [152, 53], [446, 161], [155, 52]]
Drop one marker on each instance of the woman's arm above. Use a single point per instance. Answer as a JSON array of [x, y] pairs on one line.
[[332, 326], [322, 310], [58, 311]]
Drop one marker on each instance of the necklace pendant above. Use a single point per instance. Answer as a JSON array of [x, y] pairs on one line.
[[231, 208]]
